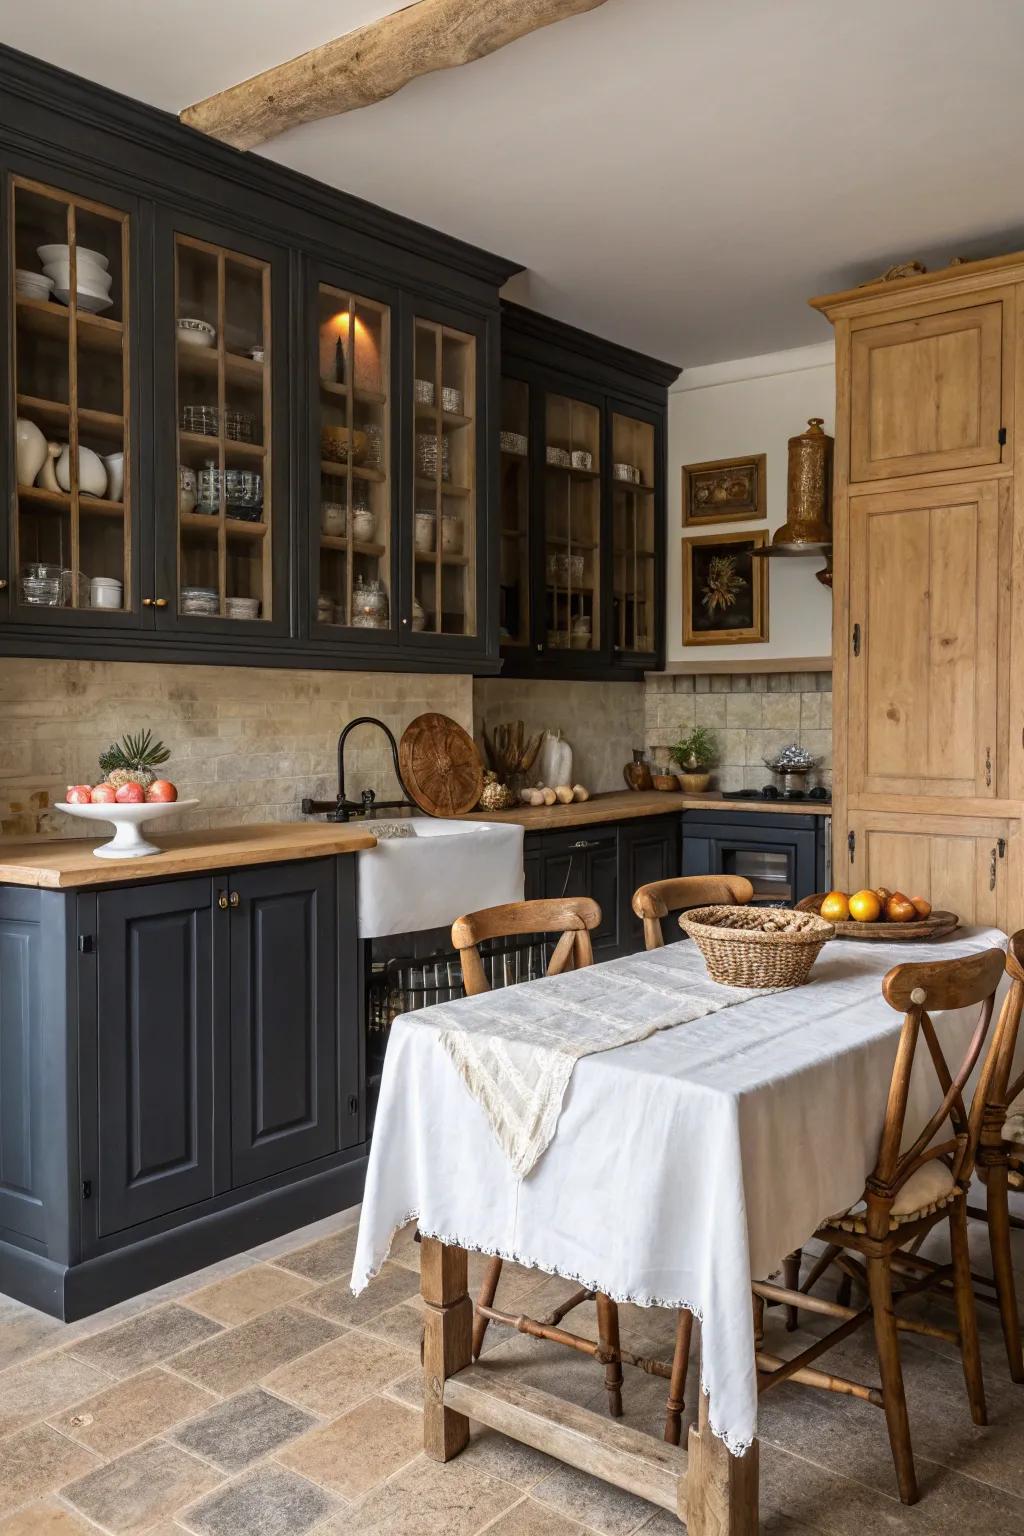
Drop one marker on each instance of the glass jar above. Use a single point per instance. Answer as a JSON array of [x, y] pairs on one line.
[[40, 585]]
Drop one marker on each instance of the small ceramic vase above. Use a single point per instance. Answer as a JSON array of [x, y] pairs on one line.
[[637, 774], [364, 525], [115, 476], [31, 450], [92, 476], [424, 536], [47, 478], [186, 488], [333, 519]]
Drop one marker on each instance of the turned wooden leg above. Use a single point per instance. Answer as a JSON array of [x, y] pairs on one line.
[[893, 1396], [1002, 1267], [608, 1333], [967, 1318], [721, 1490], [791, 1278], [447, 1340], [758, 1321], [677, 1381], [492, 1274]]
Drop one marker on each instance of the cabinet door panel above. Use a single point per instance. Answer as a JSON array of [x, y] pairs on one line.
[[647, 852], [958, 865], [155, 1068], [21, 1034], [283, 1028], [927, 393], [924, 585]]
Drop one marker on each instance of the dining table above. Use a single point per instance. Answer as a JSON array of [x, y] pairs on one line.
[[667, 1155]]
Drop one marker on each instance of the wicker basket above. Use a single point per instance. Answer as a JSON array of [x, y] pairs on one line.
[[757, 946]]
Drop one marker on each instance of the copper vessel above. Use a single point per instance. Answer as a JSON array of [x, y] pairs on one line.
[[808, 488]]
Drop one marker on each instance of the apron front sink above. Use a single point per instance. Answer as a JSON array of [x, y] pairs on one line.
[[432, 871]]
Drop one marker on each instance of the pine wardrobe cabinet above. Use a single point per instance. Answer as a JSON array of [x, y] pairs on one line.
[[928, 621]]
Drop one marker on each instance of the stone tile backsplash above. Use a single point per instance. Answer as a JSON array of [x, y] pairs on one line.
[[603, 722], [248, 742], [751, 716]]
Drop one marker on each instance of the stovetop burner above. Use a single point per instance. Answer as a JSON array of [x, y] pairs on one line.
[[772, 792]]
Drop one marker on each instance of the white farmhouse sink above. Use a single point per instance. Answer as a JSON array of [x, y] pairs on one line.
[[445, 868]]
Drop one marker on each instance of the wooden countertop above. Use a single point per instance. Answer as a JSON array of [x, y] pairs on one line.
[[68, 862], [625, 804]]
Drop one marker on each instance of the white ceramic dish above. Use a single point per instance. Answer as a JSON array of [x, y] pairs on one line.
[[128, 841], [32, 285], [92, 303], [195, 333], [84, 256], [89, 278]]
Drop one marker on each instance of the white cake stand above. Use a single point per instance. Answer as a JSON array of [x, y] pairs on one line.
[[128, 841]]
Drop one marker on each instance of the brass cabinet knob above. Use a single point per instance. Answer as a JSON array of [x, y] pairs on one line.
[[160, 602], [234, 899], [147, 602], [222, 901], [3, 583]]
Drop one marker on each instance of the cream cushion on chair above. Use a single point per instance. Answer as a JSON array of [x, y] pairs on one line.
[[928, 1189], [1013, 1129]]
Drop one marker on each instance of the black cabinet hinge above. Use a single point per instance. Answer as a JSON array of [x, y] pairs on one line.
[[1001, 845], [856, 639], [86, 944], [1002, 437], [851, 843], [87, 1189], [353, 1104]]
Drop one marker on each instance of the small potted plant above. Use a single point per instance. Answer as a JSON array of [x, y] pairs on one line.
[[695, 755]]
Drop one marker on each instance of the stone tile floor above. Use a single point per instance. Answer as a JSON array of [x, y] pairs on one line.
[[259, 1398]]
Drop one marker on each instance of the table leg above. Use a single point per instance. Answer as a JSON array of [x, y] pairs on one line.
[[447, 1344], [721, 1489]]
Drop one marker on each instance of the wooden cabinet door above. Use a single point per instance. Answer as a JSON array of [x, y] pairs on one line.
[[957, 863], [648, 850], [155, 1068], [927, 392], [924, 597], [284, 1084]]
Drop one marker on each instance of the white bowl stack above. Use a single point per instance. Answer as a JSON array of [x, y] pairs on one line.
[[92, 272], [32, 285]]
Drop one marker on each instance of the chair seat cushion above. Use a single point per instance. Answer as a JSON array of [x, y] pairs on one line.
[[1013, 1129], [928, 1189]]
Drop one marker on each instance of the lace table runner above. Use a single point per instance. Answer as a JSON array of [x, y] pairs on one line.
[[515, 1048]]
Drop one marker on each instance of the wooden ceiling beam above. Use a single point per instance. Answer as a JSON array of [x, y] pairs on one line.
[[371, 64]]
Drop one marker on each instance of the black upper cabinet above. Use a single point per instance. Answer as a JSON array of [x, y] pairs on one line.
[[288, 409], [581, 467]]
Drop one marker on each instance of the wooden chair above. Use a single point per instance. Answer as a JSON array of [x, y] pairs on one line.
[[573, 917], [914, 1186], [1000, 1155], [654, 902]]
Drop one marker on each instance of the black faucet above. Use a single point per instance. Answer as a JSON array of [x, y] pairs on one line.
[[344, 809]]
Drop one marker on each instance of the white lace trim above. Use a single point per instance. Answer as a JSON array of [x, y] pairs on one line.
[[525, 1261]]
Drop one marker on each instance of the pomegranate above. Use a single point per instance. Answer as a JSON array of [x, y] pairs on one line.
[[103, 794], [161, 790], [79, 794], [129, 794]]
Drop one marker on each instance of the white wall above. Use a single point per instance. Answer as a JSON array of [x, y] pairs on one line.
[[752, 405]]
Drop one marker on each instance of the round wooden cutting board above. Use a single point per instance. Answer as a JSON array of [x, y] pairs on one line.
[[441, 766], [937, 925]]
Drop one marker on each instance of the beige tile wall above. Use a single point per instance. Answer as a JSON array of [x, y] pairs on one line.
[[602, 721], [751, 715], [249, 742]]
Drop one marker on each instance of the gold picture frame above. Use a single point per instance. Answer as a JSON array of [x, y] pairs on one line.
[[725, 604], [725, 491]]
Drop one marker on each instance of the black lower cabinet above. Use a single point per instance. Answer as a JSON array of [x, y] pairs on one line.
[[606, 862], [180, 1075]]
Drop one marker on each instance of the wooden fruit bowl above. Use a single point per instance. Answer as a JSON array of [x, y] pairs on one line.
[[937, 925]]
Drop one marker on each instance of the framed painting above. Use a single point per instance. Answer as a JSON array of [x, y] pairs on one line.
[[724, 491], [725, 589]]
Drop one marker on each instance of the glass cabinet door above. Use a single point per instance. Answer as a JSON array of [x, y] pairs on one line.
[[74, 496], [444, 574], [353, 587], [572, 525], [223, 372], [514, 472], [633, 548]]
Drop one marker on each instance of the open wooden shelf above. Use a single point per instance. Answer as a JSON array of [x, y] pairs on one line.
[[61, 501], [47, 318], [572, 472], [360, 396], [336, 542], [627, 485], [339, 471], [431, 413], [205, 361], [447, 489], [429, 557]]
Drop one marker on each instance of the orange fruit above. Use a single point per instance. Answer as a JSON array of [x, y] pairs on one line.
[[921, 907], [865, 907], [836, 907]]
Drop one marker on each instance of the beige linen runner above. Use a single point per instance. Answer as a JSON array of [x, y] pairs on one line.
[[515, 1048]]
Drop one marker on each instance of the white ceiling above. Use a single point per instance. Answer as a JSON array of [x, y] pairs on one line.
[[679, 175]]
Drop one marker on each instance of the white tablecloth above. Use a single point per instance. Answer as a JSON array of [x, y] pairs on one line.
[[683, 1165]]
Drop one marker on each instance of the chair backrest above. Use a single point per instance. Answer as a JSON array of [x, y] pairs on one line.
[[652, 903], [915, 989], [997, 1089], [572, 917]]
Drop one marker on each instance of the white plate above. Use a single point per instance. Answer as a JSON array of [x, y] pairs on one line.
[[92, 303], [128, 841]]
